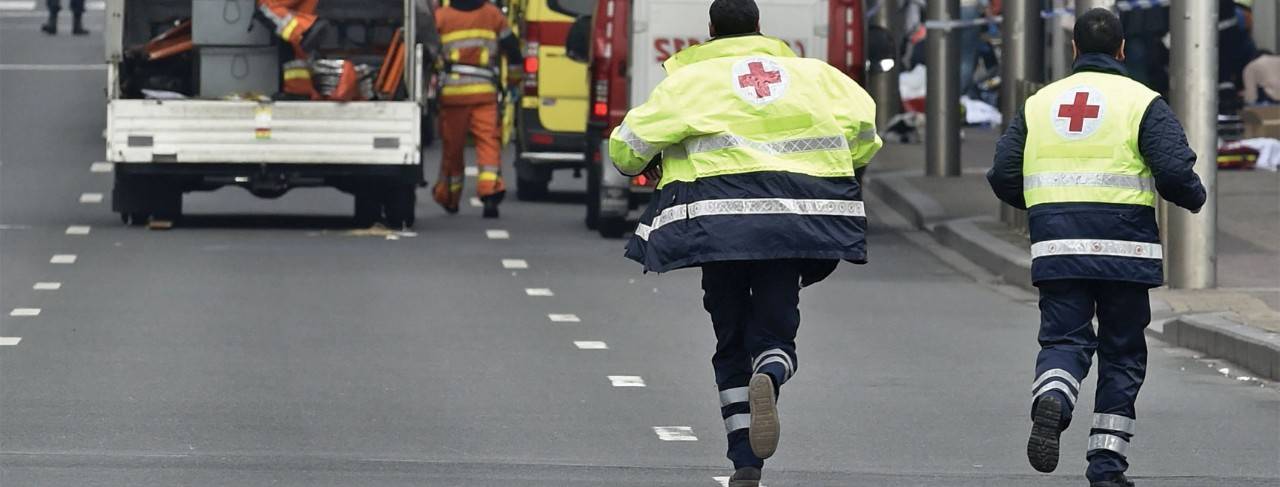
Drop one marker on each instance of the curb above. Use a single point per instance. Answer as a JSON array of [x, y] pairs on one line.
[[1212, 333], [921, 209], [1216, 334]]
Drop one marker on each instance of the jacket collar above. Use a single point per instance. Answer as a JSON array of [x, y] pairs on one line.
[[729, 46], [1099, 63]]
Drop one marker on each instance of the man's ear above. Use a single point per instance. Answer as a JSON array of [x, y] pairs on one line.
[[711, 29], [1120, 54], [757, 26], [1075, 51]]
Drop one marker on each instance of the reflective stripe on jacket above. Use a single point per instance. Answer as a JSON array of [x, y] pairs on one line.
[[758, 148]]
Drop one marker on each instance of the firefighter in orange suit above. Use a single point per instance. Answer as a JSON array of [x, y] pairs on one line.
[[471, 34], [296, 23]]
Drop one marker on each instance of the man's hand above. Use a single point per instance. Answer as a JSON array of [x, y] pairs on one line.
[[654, 170]]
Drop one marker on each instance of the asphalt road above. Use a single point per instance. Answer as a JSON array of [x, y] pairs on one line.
[[248, 349]]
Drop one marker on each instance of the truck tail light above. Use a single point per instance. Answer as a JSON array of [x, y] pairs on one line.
[[600, 109], [600, 99], [531, 64]]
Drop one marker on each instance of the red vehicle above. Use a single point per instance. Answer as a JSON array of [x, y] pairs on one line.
[[628, 46]]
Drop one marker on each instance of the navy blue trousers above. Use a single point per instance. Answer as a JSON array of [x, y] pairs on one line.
[[77, 6], [1067, 345], [754, 307]]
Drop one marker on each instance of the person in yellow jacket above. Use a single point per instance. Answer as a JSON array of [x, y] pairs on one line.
[[756, 186]]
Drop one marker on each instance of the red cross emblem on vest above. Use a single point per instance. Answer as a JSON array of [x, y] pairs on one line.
[[1078, 111], [760, 79]]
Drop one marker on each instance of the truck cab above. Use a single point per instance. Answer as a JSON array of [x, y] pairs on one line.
[[630, 39], [212, 115], [552, 115]]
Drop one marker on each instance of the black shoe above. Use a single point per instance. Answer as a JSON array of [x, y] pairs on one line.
[[50, 28], [452, 210], [79, 31], [1046, 427], [490, 207], [764, 430], [745, 477], [1118, 481]]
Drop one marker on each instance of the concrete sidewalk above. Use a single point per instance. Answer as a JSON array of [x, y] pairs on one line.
[[1237, 322]]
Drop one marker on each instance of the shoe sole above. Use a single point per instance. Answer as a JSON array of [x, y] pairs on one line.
[[744, 483], [1042, 447], [765, 429]]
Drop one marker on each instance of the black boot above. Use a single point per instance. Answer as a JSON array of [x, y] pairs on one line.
[[78, 25], [1046, 427], [745, 477], [490, 206], [1118, 481], [51, 27]]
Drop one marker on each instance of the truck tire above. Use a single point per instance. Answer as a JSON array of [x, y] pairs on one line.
[[368, 209], [531, 181], [594, 175], [613, 227], [401, 207]]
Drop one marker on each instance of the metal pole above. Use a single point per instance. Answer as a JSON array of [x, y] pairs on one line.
[[1023, 45], [1060, 52], [942, 104], [883, 83], [1192, 253]]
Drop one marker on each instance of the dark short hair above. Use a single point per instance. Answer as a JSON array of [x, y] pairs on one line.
[[731, 17], [1098, 30]]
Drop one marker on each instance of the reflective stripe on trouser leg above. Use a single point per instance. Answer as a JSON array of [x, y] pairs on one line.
[[1111, 443], [1114, 422], [1056, 380], [727, 299], [1067, 341], [775, 356], [487, 134]]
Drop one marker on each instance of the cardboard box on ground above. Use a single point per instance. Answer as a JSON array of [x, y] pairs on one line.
[[1261, 121]]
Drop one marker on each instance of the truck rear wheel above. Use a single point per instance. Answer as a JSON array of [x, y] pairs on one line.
[[531, 181], [139, 198], [400, 207], [368, 209]]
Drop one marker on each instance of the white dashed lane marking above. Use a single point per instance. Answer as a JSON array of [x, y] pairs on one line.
[[515, 264], [476, 203], [626, 381], [564, 318], [47, 286], [78, 230], [91, 198], [63, 259], [18, 5], [25, 312], [539, 291], [9, 341], [675, 433], [101, 167], [591, 345], [497, 234]]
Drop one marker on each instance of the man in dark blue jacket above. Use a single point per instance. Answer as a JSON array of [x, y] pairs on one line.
[[1086, 157]]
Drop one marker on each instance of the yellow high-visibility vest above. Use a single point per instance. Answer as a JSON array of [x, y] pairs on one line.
[[747, 104], [1082, 142]]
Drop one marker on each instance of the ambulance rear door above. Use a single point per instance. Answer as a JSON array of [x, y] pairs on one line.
[[662, 28]]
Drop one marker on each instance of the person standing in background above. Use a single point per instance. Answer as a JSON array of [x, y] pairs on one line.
[[77, 17]]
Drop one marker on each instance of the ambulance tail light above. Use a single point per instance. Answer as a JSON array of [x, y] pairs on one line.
[[531, 64], [600, 100]]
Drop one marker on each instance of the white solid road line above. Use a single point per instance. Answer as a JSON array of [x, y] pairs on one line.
[[47, 286], [564, 318], [539, 291], [17, 5], [63, 259], [9, 341], [591, 345], [675, 433], [497, 234], [101, 167], [25, 312], [91, 198], [515, 264], [626, 381], [53, 67], [78, 230]]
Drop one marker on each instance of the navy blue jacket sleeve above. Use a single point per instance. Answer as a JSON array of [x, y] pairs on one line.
[[1164, 147], [1005, 175]]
